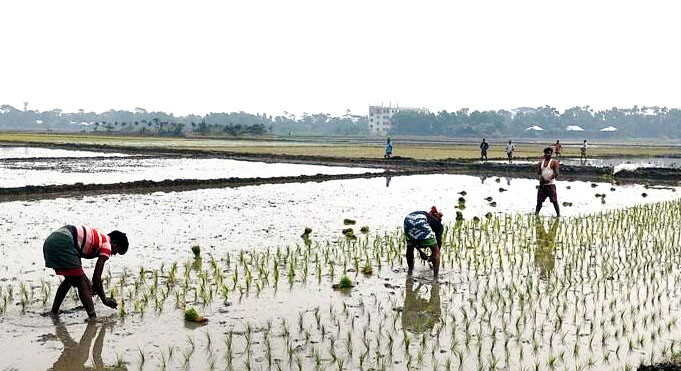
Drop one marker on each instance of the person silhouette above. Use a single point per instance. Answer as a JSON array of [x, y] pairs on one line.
[[388, 149], [420, 315], [484, 146], [545, 253]]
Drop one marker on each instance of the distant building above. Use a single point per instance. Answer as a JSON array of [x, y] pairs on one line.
[[380, 117]]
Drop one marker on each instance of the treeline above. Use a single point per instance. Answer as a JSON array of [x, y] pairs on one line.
[[635, 122], [140, 121], [161, 123]]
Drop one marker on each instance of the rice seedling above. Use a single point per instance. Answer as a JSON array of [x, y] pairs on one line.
[[191, 315], [142, 357]]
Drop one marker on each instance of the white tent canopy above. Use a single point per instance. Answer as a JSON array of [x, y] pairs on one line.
[[534, 128], [573, 128], [609, 128]]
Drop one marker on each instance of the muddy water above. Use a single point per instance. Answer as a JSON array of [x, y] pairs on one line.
[[108, 171], [37, 152], [163, 226]]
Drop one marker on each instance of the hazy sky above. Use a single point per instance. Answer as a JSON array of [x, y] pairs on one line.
[[313, 56]]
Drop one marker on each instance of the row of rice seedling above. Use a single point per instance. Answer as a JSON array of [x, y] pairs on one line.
[[591, 292]]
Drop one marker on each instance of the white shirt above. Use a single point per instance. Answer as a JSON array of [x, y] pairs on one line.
[[547, 172], [509, 148]]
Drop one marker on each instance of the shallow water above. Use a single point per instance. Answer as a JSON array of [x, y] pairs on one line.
[[108, 171], [630, 163], [514, 292], [258, 217], [37, 152]]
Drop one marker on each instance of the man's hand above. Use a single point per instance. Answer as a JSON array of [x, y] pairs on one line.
[[110, 302]]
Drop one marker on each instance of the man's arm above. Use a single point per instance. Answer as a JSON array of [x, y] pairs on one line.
[[556, 169], [97, 285]]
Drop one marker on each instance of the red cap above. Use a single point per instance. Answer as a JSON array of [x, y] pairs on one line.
[[434, 213]]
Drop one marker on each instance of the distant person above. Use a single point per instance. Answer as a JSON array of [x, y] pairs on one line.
[[423, 230], [582, 151], [548, 170], [509, 151], [484, 146], [557, 147], [63, 250], [388, 149]]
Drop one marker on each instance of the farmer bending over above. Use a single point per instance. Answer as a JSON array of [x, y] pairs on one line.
[[548, 170], [63, 249], [423, 230]]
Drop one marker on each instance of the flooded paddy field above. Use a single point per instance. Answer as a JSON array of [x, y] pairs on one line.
[[629, 163], [595, 289], [130, 169], [19, 152]]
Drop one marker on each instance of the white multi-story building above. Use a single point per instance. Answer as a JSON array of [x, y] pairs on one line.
[[380, 117]]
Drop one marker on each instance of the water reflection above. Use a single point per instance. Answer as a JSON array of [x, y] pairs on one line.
[[421, 314], [388, 178], [75, 355], [545, 253]]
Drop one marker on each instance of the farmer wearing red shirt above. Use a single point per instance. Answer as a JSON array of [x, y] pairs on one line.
[[63, 250], [557, 147]]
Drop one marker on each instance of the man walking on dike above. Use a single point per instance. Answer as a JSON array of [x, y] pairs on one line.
[[484, 146], [582, 152], [509, 151], [557, 147], [388, 149], [548, 170], [423, 230], [63, 250]]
